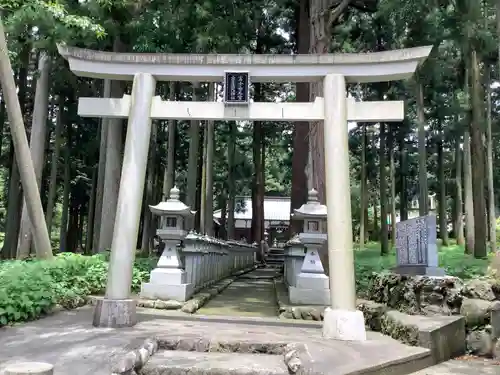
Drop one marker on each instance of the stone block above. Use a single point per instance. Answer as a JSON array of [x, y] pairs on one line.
[[443, 335], [301, 296], [495, 320], [344, 325], [174, 276], [180, 292], [113, 313], [29, 368]]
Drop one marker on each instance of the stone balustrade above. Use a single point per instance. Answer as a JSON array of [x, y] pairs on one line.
[[203, 260]]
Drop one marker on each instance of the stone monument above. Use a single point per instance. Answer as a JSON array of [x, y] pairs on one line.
[[169, 280], [416, 247], [312, 285]]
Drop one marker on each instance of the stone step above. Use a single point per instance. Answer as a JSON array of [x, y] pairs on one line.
[[173, 362]]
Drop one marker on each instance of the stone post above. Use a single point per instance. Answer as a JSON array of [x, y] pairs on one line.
[[341, 321], [117, 309]]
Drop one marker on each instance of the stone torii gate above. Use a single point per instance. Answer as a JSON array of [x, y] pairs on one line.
[[342, 320]]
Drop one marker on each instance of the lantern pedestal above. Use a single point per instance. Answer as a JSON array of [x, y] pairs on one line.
[[313, 286], [168, 281], [155, 290]]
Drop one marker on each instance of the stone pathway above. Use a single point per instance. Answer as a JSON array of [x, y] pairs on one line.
[[251, 295], [69, 342]]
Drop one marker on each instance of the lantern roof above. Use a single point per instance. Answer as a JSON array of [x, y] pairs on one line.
[[172, 206], [312, 209]]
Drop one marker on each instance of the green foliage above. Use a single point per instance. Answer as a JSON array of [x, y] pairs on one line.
[[452, 258], [30, 289]]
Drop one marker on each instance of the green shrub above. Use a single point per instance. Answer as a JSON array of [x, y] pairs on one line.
[[30, 289]]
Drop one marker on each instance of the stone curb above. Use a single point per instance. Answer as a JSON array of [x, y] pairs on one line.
[[191, 305], [134, 360], [295, 355], [287, 311]]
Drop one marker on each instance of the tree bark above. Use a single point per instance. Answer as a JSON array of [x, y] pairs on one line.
[[459, 224], [203, 194], [443, 228], [469, 206], [423, 201], [392, 173], [148, 194], [194, 146], [49, 214], [99, 195], [209, 187], [364, 192], [301, 129], [37, 147], [477, 151], [384, 240], [112, 170], [63, 231], [489, 165], [233, 129], [168, 182], [403, 201]]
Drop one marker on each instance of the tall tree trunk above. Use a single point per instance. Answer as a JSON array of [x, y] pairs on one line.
[[364, 192], [203, 195], [459, 225], [403, 201], [49, 214], [168, 182], [258, 182], [194, 146], [90, 216], [209, 187], [443, 228], [37, 147], [233, 129], [489, 165], [112, 170], [469, 206], [148, 194], [477, 149], [99, 195], [384, 240], [63, 232], [392, 173], [301, 129], [423, 204]]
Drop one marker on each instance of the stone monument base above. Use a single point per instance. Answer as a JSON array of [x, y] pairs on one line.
[[419, 271], [301, 296], [344, 325], [170, 276], [115, 313], [179, 292]]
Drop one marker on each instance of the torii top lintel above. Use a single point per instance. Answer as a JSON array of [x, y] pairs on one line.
[[356, 67]]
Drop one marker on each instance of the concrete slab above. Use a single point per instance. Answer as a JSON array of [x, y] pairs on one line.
[[69, 342]]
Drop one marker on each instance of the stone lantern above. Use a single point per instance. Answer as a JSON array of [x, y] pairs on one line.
[[168, 279], [312, 285]]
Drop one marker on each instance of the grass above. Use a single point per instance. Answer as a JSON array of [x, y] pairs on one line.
[[452, 258]]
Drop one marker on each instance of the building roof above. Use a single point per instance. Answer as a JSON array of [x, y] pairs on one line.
[[275, 209]]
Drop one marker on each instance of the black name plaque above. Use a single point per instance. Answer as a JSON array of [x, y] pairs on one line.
[[236, 87]]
